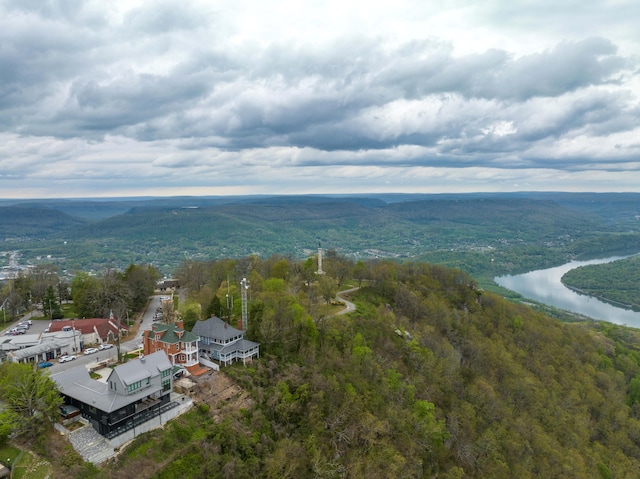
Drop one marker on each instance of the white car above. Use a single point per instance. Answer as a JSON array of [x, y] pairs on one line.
[[65, 358], [105, 346], [90, 351]]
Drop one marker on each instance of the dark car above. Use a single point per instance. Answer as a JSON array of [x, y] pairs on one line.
[[45, 364]]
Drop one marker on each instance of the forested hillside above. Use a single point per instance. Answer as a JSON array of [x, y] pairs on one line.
[[617, 282], [429, 378], [482, 235], [19, 223]]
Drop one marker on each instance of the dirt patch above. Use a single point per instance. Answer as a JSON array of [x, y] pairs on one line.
[[220, 393]]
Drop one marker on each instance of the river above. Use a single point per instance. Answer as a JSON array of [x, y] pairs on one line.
[[545, 286]]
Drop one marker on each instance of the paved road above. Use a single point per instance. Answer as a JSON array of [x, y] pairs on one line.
[[127, 345], [350, 307], [147, 321]]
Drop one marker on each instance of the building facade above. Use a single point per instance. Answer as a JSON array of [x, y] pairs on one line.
[[133, 393], [224, 343], [180, 346]]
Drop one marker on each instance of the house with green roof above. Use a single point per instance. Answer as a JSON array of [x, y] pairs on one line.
[[180, 346]]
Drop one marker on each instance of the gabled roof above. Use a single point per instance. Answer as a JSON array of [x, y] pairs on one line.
[[39, 349], [141, 368], [102, 326], [172, 334], [77, 383], [214, 327], [237, 346]]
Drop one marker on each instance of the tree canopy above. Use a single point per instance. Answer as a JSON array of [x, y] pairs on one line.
[[430, 377], [30, 400]]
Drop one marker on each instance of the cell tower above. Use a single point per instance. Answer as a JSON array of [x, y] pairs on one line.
[[244, 287]]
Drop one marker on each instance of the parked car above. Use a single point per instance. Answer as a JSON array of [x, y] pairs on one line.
[[90, 351], [45, 364], [66, 357], [105, 346]]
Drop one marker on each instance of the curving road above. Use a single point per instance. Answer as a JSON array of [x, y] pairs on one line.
[[350, 307]]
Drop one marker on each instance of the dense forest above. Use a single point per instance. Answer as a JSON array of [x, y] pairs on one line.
[[431, 377], [617, 282], [484, 235]]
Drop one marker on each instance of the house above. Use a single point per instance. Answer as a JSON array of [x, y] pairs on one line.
[[180, 346], [134, 392], [94, 330], [168, 284], [33, 348], [224, 343]]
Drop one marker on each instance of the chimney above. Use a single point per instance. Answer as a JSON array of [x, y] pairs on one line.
[[180, 323]]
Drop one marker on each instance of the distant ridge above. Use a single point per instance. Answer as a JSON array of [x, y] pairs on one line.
[[165, 231], [25, 222]]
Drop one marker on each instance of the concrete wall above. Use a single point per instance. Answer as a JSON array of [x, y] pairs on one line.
[[209, 364], [184, 404]]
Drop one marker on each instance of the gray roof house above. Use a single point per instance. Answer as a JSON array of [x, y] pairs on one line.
[[223, 342], [31, 348], [133, 393]]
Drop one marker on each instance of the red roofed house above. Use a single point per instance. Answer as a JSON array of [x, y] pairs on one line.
[[180, 346], [94, 330]]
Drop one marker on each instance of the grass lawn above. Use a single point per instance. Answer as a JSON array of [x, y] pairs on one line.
[[24, 464], [67, 309], [8, 455]]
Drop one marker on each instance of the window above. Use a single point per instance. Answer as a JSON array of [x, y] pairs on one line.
[[134, 386], [166, 373], [166, 385]]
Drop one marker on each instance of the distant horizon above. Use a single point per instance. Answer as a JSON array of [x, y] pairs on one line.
[[339, 195]]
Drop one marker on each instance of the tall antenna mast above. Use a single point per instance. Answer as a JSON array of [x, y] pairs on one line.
[[244, 287]]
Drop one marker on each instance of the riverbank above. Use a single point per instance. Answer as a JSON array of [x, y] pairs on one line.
[[546, 287], [610, 301]]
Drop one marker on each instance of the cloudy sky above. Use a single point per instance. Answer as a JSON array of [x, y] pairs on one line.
[[137, 98]]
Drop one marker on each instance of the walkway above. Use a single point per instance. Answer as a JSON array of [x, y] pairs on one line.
[[350, 307], [88, 443]]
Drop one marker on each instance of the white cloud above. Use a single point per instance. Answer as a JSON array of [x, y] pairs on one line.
[[276, 96]]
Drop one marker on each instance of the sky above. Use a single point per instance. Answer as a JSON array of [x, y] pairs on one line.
[[176, 97]]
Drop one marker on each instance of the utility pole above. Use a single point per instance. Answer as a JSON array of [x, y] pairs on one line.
[[73, 323]]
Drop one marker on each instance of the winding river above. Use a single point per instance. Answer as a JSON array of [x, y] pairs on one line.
[[544, 286]]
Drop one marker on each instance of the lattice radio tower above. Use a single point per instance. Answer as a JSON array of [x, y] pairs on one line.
[[244, 287]]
